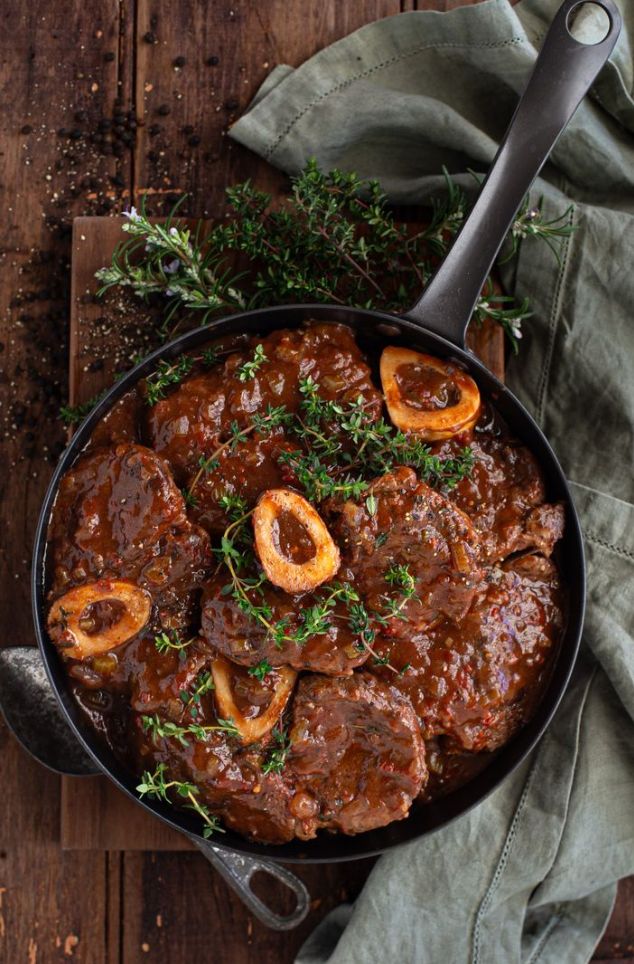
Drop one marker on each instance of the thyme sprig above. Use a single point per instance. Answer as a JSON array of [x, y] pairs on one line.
[[350, 436], [366, 623], [275, 416], [165, 642], [261, 670], [248, 370], [166, 375], [157, 785], [157, 727], [334, 240], [191, 698], [74, 414], [277, 754]]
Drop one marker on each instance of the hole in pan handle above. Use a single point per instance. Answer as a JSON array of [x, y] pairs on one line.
[[564, 72], [238, 869]]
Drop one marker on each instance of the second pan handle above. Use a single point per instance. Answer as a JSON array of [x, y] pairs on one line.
[[238, 870], [563, 73]]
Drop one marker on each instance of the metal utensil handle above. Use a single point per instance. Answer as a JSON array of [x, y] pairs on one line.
[[238, 869], [563, 73]]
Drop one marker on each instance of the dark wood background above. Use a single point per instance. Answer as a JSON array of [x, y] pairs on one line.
[[104, 102]]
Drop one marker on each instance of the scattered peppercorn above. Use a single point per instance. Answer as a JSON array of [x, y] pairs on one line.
[[232, 104], [194, 140], [179, 61], [109, 56], [163, 110], [213, 61], [26, 129], [149, 37]]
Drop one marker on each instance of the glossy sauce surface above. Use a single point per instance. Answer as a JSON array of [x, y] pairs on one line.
[[450, 670]]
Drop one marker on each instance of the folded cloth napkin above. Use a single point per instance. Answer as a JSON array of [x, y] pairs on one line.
[[529, 875]]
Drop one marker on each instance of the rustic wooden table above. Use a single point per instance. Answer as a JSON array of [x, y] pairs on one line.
[[104, 102]]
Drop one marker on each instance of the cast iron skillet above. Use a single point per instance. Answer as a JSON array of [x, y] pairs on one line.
[[437, 324]]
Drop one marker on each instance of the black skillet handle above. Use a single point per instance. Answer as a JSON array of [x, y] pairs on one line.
[[238, 869], [563, 73]]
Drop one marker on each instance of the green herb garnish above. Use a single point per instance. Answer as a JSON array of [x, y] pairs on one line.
[[156, 786], [277, 754], [168, 730], [261, 670]]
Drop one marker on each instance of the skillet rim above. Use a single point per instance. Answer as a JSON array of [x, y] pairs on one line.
[[333, 848]]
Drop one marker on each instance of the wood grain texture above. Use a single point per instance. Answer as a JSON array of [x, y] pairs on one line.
[[52, 65], [60, 62]]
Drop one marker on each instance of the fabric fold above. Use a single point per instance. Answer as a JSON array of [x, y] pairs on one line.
[[529, 875]]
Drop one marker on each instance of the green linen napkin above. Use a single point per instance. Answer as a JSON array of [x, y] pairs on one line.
[[529, 875]]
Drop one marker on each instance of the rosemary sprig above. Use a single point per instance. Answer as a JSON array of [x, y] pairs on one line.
[[168, 730], [190, 272], [276, 756], [334, 240], [156, 785], [530, 223]]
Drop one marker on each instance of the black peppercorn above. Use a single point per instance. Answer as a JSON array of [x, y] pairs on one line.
[[213, 61], [149, 37], [179, 61], [163, 110]]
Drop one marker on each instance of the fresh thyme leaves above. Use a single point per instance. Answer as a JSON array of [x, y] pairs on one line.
[[248, 370], [165, 728], [314, 620], [189, 498], [371, 504], [261, 670], [73, 414], [360, 447], [399, 577], [236, 551], [165, 375], [366, 623], [277, 754], [317, 479], [334, 240], [262, 423], [191, 698], [157, 785], [165, 642]]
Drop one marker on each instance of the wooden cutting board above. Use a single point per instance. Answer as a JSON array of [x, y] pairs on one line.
[[94, 814]]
